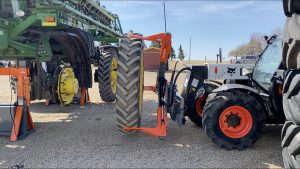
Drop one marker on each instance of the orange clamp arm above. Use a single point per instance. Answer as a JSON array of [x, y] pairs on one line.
[[163, 38]]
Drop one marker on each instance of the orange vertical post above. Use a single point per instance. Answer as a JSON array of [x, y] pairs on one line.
[[83, 95], [29, 120], [16, 124]]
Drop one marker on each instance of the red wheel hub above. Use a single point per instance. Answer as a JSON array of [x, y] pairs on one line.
[[200, 105], [235, 122]]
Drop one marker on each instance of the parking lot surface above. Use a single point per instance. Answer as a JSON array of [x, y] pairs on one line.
[[87, 137]]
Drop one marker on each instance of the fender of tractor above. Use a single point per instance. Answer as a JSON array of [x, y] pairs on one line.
[[227, 87]]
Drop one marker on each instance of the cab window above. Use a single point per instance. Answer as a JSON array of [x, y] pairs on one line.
[[268, 63]]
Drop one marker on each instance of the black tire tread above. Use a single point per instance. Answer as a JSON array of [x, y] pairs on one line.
[[291, 145], [129, 62], [104, 81], [291, 97], [192, 113]]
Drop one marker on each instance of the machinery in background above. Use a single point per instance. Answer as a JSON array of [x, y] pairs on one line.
[[55, 36], [54, 40], [251, 59]]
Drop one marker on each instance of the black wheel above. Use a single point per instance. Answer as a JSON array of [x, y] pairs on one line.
[[291, 145], [107, 74], [291, 97], [195, 111], [233, 119], [130, 83], [291, 89], [290, 7], [286, 8], [291, 47]]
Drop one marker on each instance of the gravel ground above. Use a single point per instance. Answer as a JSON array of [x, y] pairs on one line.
[[87, 137]]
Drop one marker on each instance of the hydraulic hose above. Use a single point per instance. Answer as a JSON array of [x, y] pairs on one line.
[[174, 83]]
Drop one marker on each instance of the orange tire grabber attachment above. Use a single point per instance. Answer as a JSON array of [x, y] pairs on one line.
[[161, 127]]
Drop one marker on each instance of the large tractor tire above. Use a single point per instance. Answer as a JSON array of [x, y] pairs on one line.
[[291, 97], [107, 74], [291, 92], [290, 136], [291, 89], [291, 49], [130, 83], [195, 111], [233, 119]]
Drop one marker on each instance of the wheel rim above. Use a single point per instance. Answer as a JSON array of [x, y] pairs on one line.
[[113, 74], [200, 105], [67, 85], [235, 122], [141, 84]]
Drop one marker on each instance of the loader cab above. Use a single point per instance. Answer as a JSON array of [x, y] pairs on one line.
[[8, 8], [268, 64], [265, 74]]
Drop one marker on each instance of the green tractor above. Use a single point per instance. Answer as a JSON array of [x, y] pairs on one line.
[[56, 40]]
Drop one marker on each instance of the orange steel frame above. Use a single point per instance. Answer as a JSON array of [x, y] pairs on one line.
[[161, 127], [22, 75], [85, 97]]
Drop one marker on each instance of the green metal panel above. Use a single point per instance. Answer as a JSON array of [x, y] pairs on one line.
[[3, 38], [86, 15]]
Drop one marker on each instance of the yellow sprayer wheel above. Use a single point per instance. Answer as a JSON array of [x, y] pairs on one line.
[[67, 85], [113, 74]]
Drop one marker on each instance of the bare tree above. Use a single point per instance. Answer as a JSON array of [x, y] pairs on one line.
[[255, 46]]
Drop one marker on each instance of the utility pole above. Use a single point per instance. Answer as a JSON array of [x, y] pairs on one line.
[[220, 54], [190, 48]]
